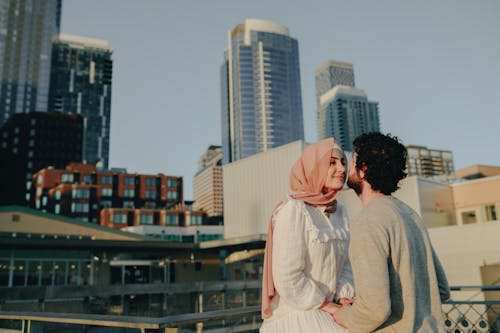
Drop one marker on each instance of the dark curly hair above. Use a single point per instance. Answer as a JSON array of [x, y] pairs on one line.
[[384, 160]]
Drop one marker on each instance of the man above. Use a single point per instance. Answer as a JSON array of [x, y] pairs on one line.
[[399, 280]]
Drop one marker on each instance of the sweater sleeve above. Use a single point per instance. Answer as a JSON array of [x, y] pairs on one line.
[[444, 290], [369, 252], [289, 253]]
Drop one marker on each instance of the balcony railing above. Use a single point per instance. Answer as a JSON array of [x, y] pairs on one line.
[[473, 309]]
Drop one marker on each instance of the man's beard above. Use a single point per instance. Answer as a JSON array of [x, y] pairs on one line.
[[354, 182]]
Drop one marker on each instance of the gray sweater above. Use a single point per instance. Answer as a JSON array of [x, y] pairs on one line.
[[398, 278]]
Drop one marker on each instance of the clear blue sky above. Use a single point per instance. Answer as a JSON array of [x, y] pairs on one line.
[[434, 67]]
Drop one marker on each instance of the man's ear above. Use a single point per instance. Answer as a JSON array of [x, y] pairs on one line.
[[362, 172]]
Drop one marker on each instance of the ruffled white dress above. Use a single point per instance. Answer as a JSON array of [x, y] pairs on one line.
[[310, 264]]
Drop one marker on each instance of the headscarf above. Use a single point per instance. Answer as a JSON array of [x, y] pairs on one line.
[[307, 183]]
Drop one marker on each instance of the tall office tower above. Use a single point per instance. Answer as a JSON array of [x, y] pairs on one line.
[[333, 73], [344, 113], [26, 31], [32, 141], [207, 183], [261, 94], [426, 162], [80, 83]]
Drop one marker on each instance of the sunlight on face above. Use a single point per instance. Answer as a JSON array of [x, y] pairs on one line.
[[337, 171]]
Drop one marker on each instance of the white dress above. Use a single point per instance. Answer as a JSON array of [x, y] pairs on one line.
[[310, 264]]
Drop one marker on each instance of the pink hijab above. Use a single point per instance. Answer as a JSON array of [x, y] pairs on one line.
[[307, 181]]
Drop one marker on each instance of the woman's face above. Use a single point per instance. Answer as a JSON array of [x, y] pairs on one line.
[[335, 178]]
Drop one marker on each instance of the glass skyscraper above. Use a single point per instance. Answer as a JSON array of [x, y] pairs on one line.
[[80, 83], [261, 93], [26, 31], [344, 111]]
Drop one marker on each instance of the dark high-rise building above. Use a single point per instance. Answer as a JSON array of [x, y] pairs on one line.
[[32, 141], [80, 83], [26, 31], [261, 94]]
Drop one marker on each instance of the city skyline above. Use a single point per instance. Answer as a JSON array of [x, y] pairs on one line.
[[431, 66]]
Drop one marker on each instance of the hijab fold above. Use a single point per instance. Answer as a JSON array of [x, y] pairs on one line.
[[307, 183]]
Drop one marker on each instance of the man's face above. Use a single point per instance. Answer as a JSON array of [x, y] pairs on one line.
[[354, 180]]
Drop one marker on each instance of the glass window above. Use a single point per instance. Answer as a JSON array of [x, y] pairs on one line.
[[172, 220], [150, 194], [172, 182], [128, 204], [106, 191], [119, 218], [150, 182], [106, 203], [172, 195], [469, 217], [77, 207], [491, 214], [81, 193], [67, 178], [107, 180], [128, 181], [146, 219], [87, 179], [128, 193]]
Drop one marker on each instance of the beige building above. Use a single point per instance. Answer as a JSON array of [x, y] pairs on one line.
[[423, 161], [461, 216], [207, 183]]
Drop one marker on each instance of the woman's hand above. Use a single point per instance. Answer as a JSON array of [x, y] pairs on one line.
[[329, 307], [346, 301]]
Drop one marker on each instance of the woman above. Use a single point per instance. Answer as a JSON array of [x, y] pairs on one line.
[[306, 266]]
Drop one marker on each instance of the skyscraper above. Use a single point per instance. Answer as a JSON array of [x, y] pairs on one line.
[[80, 83], [26, 31], [261, 94], [344, 111]]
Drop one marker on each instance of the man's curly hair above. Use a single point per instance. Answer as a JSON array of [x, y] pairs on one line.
[[383, 158]]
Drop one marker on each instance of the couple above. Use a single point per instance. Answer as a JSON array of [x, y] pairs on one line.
[[323, 274]]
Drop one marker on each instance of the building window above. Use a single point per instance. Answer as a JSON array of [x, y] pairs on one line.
[[77, 207], [106, 203], [172, 220], [107, 180], [150, 194], [150, 182], [491, 214], [146, 219], [87, 179], [469, 217], [119, 218], [67, 178], [106, 192], [128, 181], [195, 220], [57, 208], [128, 204], [128, 193], [172, 182], [81, 193], [57, 195], [172, 195]]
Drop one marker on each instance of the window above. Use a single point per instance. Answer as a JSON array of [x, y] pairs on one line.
[[106, 180], [57, 195], [146, 219], [119, 218], [106, 192], [128, 181], [469, 217], [150, 194], [491, 214], [172, 182], [195, 220], [172, 220], [57, 208], [87, 179], [81, 193], [172, 195], [77, 207], [128, 193], [128, 204], [150, 182], [106, 203], [67, 178]]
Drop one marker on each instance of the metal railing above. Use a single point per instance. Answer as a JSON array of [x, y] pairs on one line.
[[473, 309]]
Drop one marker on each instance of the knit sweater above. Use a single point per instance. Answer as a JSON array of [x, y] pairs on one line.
[[399, 280]]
